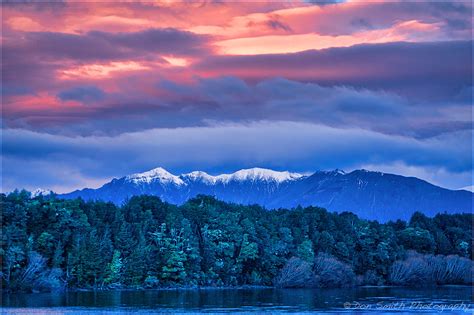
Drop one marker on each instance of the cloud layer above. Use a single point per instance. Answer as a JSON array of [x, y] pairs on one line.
[[62, 161], [96, 90]]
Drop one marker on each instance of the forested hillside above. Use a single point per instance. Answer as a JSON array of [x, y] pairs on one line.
[[49, 244]]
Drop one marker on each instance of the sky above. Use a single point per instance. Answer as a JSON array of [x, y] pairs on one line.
[[93, 91]]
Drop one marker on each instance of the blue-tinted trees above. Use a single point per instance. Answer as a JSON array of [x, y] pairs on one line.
[[206, 242]]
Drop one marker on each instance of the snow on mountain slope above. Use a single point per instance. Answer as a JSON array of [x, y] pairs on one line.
[[199, 176], [468, 188], [261, 174], [253, 174], [157, 174]]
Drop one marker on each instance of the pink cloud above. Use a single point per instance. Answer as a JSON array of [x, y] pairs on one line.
[[126, 49], [278, 44]]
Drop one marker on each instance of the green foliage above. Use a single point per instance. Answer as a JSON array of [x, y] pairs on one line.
[[151, 282], [114, 269], [305, 251], [48, 243], [418, 239]]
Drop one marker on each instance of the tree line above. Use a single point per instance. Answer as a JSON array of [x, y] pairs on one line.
[[51, 244]]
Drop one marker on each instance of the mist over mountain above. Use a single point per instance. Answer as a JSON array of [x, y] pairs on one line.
[[371, 195]]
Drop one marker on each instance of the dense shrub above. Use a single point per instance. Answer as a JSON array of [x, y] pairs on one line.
[[330, 272], [36, 276], [295, 274], [418, 269], [326, 271]]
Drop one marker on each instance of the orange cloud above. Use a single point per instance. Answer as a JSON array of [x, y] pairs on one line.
[[80, 17], [177, 62], [114, 23], [100, 71], [277, 44], [33, 104], [25, 24]]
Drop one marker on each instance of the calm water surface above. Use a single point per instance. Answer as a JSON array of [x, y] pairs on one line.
[[361, 300]]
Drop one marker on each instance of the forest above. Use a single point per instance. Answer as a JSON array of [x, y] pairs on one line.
[[52, 244]]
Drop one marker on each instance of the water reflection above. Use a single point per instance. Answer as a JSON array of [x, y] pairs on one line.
[[243, 300]]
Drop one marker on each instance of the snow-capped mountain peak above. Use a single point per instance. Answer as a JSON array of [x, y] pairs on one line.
[[262, 174], [253, 174], [158, 173], [199, 176]]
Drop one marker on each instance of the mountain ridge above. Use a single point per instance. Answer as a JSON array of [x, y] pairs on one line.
[[371, 195]]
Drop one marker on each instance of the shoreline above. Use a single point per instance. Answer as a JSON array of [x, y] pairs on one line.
[[244, 287]]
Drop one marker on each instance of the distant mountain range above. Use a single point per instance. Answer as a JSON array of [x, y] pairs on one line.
[[371, 195]]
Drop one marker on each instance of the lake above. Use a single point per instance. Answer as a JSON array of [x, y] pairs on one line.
[[448, 299]]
